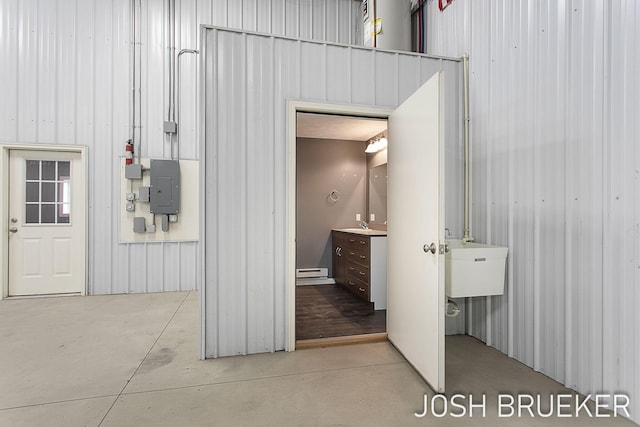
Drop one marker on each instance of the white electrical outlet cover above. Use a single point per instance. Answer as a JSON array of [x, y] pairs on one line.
[[357, 217], [372, 217]]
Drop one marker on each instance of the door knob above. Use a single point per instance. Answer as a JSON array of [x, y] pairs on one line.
[[430, 248], [13, 229]]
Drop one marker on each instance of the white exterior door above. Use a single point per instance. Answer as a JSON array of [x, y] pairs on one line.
[[46, 223], [415, 322]]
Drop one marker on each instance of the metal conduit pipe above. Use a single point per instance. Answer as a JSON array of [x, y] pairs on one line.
[[169, 60], [133, 72], [137, 77], [465, 73], [171, 45], [176, 107]]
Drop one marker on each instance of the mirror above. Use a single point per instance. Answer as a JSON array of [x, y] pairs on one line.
[[377, 194]]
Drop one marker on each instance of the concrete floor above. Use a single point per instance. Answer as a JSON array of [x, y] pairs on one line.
[[132, 360]]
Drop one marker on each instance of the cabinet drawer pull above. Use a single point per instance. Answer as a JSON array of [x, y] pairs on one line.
[[350, 283], [363, 256], [351, 268], [362, 242], [352, 240], [351, 253], [361, 289], [362, 273]]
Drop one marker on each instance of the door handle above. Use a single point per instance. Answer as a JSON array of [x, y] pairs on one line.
[[429, 248], [13, 229]]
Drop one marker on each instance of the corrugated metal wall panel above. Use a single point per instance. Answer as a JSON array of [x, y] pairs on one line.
[[338, 80], [46, 78], [249, 78], [28, 69], [260, 194], [9, 33], [554, 107], [363, 66], [232, 179], [70, 83]]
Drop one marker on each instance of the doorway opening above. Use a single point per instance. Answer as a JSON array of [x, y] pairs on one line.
[[340, 291], [415, 253]]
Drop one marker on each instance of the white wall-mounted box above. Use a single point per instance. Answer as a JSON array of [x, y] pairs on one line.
[[474, 269]]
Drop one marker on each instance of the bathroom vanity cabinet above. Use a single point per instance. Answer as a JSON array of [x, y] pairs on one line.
[[360, 264]]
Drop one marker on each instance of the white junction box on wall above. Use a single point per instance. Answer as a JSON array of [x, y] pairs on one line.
[[138, 225]]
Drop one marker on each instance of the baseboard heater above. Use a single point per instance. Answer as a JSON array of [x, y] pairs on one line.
[[313, 276]]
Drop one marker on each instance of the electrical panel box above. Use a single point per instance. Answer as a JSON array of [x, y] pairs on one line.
[[133, 171], [143, 194], [170, 127], [139, 224], [165, 187]]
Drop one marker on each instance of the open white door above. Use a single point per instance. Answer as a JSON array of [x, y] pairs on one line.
[[415, 322]]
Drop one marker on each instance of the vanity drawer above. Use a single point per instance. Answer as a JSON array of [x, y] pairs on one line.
[[359, 255], [359, 241], [358, 287], [358, 271]]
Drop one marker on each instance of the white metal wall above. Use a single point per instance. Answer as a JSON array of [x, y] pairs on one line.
[[249, 78], [555, 101], [65, 79]]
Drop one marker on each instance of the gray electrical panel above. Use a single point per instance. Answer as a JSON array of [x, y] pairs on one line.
[[165, 187]]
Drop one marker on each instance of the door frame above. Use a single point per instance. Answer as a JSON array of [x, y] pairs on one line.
[[293, 107], [5, 151]]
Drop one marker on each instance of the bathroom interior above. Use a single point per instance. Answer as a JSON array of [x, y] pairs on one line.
[[340, 275], [341, 236]]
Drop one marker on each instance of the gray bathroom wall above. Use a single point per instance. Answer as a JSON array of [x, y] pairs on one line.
[[323, 166]]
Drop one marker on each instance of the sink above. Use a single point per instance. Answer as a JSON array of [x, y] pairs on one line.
[[474, 269], [363, 231]]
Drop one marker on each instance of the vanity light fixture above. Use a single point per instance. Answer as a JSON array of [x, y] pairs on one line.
[[376, 145], [371, 147]]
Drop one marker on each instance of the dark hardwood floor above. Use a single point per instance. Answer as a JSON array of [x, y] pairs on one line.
[[324, 311]]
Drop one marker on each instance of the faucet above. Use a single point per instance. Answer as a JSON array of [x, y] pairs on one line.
[[363, 225]]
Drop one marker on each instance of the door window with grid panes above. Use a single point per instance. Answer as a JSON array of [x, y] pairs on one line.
[[48, 192]]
